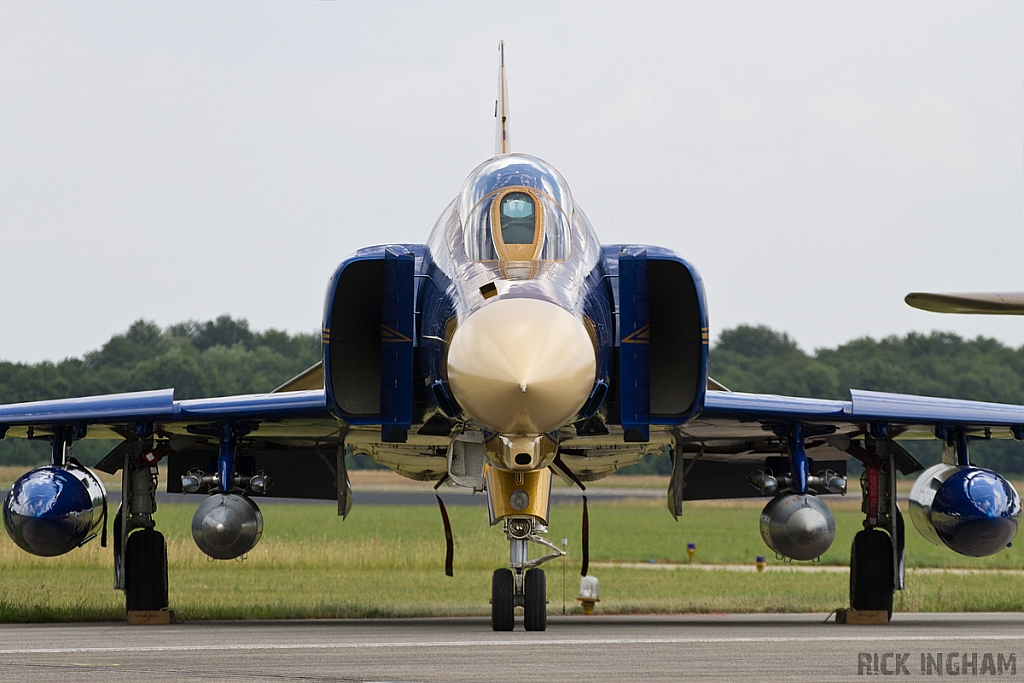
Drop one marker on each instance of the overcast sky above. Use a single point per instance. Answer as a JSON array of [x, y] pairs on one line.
[[815, 161]]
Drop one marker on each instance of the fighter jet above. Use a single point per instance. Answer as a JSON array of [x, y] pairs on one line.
[[509, 347]]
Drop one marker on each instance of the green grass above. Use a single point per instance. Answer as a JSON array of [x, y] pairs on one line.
[[388, 561]]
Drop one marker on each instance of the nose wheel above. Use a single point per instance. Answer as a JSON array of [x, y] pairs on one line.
[[503, 600], [533, 597], [535, 601], [524, 585]]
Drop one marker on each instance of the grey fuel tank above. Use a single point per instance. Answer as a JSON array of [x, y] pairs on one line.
[[798, 526], [227, 525]]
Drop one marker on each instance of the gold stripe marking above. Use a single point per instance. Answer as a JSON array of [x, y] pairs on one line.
[[641, 336], [392, 336]]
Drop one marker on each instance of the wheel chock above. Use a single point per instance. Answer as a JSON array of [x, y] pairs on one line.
[[156, 617], [862, 616]]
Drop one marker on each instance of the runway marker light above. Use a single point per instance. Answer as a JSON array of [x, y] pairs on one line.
[[691, 550], [760, 563]]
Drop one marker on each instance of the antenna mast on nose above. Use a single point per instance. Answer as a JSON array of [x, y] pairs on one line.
[[502, 144]]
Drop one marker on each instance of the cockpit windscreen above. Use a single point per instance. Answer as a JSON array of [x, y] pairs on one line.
[[514, 208], [518, 215]]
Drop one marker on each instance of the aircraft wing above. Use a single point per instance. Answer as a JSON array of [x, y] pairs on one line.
[[735, 416], [292, 433], [991, 303], [296, 414], [745, 428]]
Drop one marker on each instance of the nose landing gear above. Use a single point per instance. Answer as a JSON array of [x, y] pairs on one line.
[[520, 501]]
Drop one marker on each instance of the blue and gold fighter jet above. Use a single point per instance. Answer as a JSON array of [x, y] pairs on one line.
[[510, 347]]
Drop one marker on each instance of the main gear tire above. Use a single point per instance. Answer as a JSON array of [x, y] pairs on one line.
[[871, 571], [145, 571]]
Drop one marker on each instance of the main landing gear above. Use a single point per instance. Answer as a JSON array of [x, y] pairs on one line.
[[877, 554], [140, 551], [520, 501]]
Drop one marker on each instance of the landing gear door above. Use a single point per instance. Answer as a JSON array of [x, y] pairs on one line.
[[467, 457]]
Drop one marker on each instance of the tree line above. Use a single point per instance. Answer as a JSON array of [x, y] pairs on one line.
[[197, 359], [224, 357]]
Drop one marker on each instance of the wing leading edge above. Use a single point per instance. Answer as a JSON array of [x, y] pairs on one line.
[[736, 426], [114, 415], [907, 412]]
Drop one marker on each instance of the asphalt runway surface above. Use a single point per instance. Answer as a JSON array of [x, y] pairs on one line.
[[598, 648]]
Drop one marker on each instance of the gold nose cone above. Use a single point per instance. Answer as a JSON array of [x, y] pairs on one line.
[[521, 366]]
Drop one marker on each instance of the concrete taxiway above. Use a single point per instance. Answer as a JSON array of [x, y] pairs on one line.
[[599, 648]]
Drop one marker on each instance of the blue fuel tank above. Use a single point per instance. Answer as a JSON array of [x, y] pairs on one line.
[[971, 510], [52, 510]]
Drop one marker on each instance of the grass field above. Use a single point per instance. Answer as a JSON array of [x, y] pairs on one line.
[[388, 561]]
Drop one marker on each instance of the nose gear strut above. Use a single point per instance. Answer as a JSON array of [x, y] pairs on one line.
[[520, 501]]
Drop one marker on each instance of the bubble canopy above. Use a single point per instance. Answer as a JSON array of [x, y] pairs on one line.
[[516, 207]]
